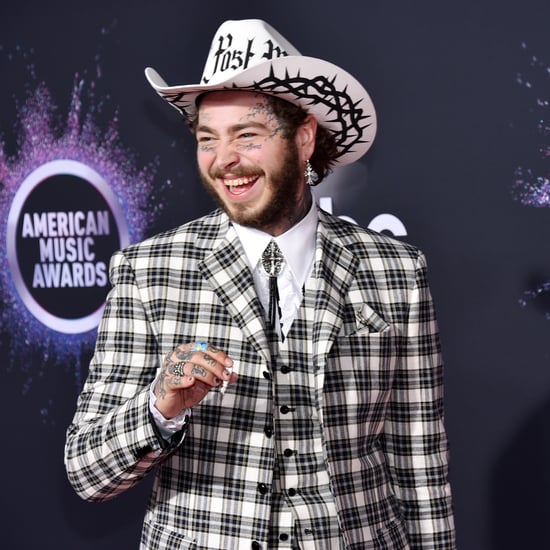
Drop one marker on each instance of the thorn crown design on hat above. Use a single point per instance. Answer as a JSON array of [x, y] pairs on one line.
[[250, 55]]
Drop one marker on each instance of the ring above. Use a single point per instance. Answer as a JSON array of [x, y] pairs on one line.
[[177, 369], [200, 346]]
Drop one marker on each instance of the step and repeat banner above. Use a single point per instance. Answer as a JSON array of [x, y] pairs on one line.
[[92, 160]]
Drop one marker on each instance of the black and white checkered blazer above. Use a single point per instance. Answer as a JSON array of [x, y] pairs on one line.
[[376, 355]]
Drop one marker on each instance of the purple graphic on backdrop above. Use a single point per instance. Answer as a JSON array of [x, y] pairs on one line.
[[45, 138], [532, 182]]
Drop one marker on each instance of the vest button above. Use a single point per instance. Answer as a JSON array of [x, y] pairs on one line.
[[262, 488], [267, 375], [288, 452], [255, 545], [292, 492], [284, 409], [268, 431], [285, 369], [283, 536]]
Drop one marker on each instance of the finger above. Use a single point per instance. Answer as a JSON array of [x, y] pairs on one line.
[[183, 370], [206, 362], [212, 364], [213, 359], [175, 376], [215, 353]]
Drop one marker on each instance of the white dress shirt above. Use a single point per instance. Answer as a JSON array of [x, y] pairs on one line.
[[298, 248]]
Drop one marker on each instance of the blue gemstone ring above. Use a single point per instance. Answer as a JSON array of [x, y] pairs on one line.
[[200, 346]]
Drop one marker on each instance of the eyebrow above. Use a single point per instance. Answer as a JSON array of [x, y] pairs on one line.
[[233, 129]]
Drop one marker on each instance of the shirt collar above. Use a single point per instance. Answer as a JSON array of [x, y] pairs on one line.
[[297, 244]]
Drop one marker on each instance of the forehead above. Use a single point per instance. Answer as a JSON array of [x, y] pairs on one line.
[[236, 106]]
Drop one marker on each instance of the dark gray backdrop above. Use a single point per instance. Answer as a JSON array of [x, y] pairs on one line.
[[455, 122]]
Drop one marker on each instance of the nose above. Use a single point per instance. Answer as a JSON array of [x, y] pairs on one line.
[[226, 155]]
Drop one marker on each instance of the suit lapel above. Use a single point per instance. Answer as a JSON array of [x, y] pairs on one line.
[[227, 272], [335, 268]]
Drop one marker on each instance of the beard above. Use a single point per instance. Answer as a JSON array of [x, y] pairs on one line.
[[282, 184]]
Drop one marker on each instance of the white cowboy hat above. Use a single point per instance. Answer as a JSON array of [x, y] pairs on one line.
[[250, 55]]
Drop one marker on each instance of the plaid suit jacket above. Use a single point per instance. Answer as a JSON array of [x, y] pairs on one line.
[[376, 355]]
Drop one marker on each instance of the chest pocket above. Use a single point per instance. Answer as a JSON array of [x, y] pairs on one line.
[[360, 368]]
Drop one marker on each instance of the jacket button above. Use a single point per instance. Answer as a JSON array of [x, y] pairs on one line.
[[255, 545], [283, 536], [292, 492], [285, 369], [268, 431], [267, 375], [262, 488], [288, 452], [284, 409]]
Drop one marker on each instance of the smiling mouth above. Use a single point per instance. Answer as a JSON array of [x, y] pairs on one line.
[[238, 186]]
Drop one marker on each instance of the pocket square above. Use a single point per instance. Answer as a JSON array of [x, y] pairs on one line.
[[367, 320]]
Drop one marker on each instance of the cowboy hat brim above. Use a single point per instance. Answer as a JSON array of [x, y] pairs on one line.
[[332, 95]]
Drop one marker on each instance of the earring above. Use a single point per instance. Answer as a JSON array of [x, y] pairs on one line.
[[312, 178]]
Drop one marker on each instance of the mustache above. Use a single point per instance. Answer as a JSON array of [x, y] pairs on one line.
[[236, 172]]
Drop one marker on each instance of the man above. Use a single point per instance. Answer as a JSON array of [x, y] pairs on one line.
[[278, 366]]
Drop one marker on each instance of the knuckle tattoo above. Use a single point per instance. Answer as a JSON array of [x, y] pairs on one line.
[[184, 355], [198, 370], [209, 360]]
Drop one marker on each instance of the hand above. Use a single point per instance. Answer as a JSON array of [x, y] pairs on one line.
[[188, 373]]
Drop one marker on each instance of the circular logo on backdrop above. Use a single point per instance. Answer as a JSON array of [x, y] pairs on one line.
[[63, 226]]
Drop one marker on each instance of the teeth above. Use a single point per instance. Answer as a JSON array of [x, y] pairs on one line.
[[240, 181]]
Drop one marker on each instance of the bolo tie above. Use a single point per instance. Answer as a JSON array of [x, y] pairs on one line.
[[272, 263]]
